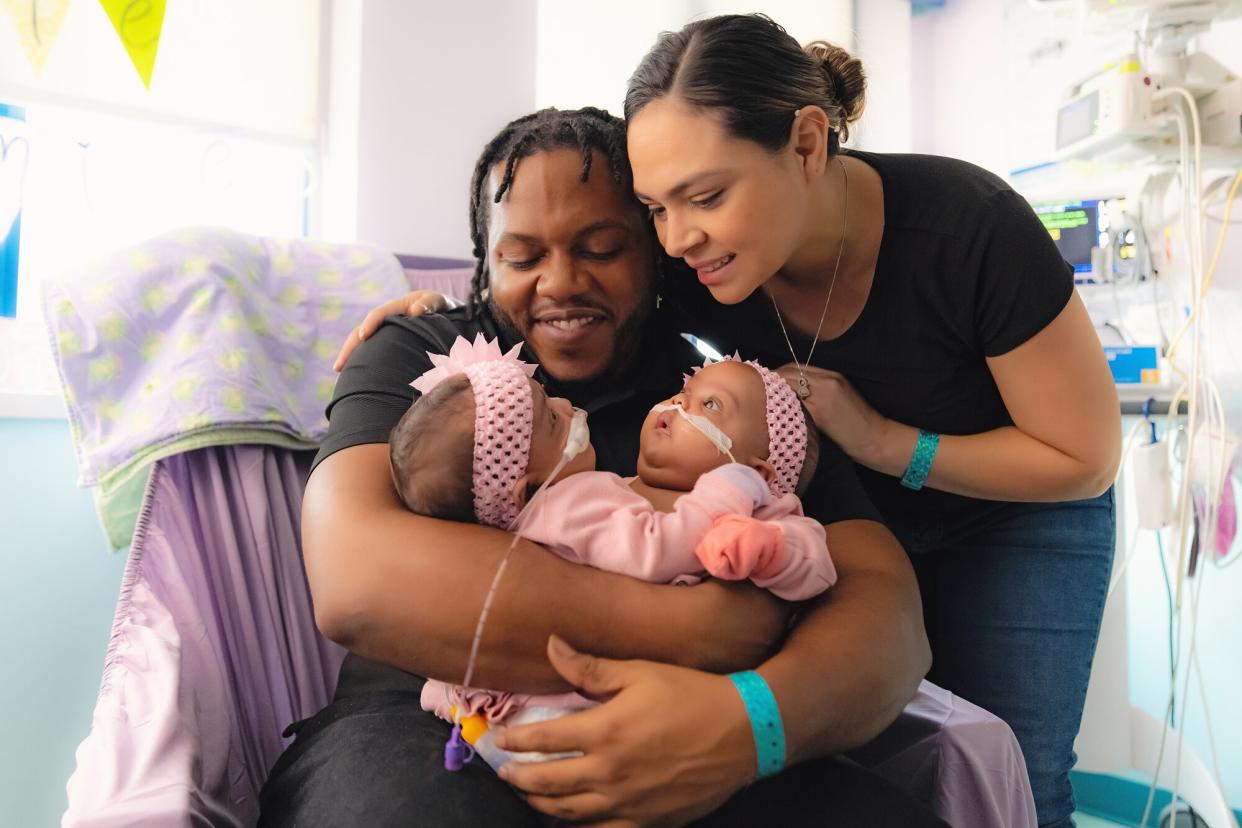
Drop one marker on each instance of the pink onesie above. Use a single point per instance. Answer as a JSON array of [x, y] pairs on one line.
[[595, 518]]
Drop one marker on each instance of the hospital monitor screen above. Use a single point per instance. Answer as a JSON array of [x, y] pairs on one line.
[[1077, 227]]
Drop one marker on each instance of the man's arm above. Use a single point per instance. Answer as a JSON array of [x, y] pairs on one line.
[[857, 656], [407, 590]]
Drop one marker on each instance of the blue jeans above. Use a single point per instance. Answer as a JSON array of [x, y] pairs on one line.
[[1012, 600]]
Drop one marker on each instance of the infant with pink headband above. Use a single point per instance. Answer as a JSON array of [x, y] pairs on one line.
[[719, 469]]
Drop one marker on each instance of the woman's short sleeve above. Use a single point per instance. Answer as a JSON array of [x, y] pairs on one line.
[[1023, 282]]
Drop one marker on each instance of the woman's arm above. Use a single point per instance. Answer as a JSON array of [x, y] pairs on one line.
[[1065, 443], [407, 590]]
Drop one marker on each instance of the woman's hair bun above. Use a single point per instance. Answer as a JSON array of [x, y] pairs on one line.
[[847, 83]]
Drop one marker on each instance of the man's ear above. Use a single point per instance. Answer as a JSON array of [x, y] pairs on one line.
[[522, 487], [766, 470], [809, 138]]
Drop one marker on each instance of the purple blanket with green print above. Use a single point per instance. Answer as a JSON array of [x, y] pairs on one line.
[[206, 331]]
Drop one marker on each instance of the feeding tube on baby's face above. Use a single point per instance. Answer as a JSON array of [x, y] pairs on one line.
[[704, 426]]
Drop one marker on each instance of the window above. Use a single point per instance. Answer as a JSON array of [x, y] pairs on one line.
[[93, 160]]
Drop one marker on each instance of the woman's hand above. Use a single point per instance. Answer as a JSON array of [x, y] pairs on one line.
[[414, 303], [667, 746], [863, 433]]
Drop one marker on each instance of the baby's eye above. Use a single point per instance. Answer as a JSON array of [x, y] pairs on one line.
[[712, 404]]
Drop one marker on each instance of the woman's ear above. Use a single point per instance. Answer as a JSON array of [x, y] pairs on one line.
[[766, 470], [809, 138]]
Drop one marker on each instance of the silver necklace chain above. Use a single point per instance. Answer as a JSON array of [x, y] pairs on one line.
[[804, 387]]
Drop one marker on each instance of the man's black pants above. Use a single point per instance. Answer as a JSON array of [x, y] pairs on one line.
[[374, 758]]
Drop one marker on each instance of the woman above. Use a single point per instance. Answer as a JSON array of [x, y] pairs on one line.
[[935, 332], [932, 326]]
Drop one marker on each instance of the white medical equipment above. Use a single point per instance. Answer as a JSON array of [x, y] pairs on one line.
[[1109, 109], [1152, 125], [1118, 110]]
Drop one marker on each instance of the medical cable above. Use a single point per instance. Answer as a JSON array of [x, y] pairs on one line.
[[1205, 413], [456, 751], [1220, 244], [1193, 236], [1131, 439]]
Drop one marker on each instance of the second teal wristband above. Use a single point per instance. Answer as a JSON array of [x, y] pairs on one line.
[[765, 721], [921, 460]]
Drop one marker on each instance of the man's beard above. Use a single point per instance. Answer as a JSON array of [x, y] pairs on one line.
[[628, 342]]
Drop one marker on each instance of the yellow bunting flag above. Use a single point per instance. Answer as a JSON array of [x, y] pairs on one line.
[[138, 23], [37, 23]]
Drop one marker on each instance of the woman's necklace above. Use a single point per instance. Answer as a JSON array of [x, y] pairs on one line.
[[804, 387]]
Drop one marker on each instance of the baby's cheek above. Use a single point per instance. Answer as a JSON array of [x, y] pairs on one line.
[[696, 454]]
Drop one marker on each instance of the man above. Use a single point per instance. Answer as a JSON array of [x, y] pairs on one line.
[[570, 265]]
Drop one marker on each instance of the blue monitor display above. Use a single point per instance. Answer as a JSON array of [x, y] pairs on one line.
[[1076, 227]]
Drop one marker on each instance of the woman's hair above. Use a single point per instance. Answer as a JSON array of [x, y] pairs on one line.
[[754, 74], [431, 450], [811, 463], [588, 130]]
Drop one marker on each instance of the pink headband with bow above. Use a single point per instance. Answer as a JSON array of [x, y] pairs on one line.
[[503, 406]]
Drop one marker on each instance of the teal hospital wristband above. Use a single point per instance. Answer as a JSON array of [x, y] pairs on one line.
[[921, 460], [765, 721]]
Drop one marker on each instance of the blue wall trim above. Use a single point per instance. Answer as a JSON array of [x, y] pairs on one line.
[[1119, 800]]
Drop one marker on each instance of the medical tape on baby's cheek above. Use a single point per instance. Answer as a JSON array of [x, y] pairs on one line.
[[704, 426], [578, 439]]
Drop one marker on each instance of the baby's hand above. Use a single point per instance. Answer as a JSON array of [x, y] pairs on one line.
[[741, 547]]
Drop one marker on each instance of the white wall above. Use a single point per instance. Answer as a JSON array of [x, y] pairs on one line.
[[434, 82], [587, 52], [883, 41], [831, 20], [958, 90], [415, 88]]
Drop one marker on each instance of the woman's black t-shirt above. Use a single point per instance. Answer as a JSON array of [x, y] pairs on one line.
[[965, 271]]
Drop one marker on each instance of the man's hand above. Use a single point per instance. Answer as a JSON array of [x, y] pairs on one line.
[[414, 303], [667, 746]]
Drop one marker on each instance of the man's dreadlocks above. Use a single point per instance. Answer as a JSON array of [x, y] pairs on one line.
[[588, 130]]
